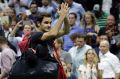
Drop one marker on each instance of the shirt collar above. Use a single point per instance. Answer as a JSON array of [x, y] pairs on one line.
[[106, 54]]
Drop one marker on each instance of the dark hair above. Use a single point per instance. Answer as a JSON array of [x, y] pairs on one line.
[[77, 35], [3, 40], [41, 16], [75, 15], [33, 2]]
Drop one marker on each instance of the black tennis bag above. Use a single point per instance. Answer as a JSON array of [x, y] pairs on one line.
[[35, 66]]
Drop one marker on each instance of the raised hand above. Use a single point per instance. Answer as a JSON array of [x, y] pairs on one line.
[[63, 10]]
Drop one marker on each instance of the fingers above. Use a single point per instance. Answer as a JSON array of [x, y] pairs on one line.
[[62, 6], [63, 10], [66, 6]]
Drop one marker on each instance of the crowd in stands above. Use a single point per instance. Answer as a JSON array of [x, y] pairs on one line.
[[87, 37]]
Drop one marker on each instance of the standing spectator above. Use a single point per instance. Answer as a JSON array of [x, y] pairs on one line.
[[90, 68], [19, 5], [109, 62], [7, 58], [7, 29], [74, 28], [34, 11], [77, 53], [10, 12], [15, 40], [38, 2], [48, 8], [99, 39], [76, 8]]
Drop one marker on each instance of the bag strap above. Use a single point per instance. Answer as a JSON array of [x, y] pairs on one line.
[[61, 73], [57, 57]]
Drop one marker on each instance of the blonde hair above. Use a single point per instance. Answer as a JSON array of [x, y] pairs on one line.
[[92, 17], [95, 60]]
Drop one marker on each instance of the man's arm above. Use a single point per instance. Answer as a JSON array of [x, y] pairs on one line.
[[66, 28], [15, 29], [55, 30]]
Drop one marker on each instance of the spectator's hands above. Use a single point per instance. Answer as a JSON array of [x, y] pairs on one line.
[[19, 24]]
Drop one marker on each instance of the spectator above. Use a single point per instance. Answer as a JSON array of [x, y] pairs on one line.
[[109, 62], [15, 40], [19, 5], [90, 68], [74, 28], [77, 53], [7, 58], [90, 28], [76, 8], [110, 30], [99, 39], [34, 11], [48, 8]]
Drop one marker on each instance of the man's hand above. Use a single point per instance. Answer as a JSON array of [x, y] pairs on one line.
[[63, 10]]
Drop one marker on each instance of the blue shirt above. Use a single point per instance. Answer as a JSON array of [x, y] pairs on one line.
[[77, 55], [67, 40], [47, 9], [78, 9]]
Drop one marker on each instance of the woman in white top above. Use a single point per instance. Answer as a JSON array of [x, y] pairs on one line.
[[89, 69]]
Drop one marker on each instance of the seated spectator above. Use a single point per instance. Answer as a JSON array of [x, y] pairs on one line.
[[110, 30], [90, 28]]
